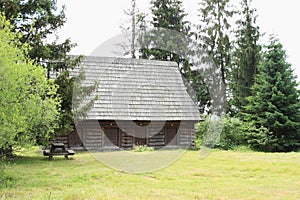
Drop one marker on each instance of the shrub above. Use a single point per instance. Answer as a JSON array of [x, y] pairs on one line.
[[235, 133], [232, 133], [142, 148]]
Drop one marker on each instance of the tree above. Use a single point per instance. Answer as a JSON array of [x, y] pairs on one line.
[[79, 99], [169, 15], [172, 33], [274, 103], [37, 21], [134, 31], [246, 55], [213, 33], [28, 103]]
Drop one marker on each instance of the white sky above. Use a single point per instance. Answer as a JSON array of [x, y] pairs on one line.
[[92, 22]]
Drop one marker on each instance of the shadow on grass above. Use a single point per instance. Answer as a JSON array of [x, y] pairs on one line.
[[34, 159]]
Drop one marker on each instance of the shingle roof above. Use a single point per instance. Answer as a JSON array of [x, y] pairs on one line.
[[131, 89]]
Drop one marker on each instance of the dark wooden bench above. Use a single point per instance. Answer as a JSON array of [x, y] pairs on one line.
[[58, 149]]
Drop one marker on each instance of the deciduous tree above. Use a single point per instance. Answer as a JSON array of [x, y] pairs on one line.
[[29, 106], [38, 21]]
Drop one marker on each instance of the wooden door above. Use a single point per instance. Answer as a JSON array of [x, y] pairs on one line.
[[111, 137], [140, 136], [171, 136]]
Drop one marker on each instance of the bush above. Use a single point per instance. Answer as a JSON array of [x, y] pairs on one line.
[[200, 130], [235, 133], [142, 148], [232, 133]]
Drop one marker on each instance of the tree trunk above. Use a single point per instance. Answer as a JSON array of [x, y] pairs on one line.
[[6, 152]]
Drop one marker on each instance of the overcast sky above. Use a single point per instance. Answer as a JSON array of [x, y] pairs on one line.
[[92, 22]]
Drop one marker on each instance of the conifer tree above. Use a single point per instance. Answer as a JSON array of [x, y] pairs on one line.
[[134, 29], [274, 103], [169, 17], [213, 33], [246, 55], [38, 21]]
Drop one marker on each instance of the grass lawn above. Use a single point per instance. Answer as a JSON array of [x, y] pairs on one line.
[[221, 175]]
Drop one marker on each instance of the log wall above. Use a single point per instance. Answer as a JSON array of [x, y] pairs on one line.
[[98, 135]]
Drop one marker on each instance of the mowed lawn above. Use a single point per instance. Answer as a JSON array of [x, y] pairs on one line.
[[221, 175]]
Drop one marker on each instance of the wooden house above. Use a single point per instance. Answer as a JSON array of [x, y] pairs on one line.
[[140, 102]]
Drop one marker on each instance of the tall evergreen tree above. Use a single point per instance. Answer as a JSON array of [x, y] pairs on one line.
[[213, 32], [246, 55], [38, 20], [169, 17], [274, 102]]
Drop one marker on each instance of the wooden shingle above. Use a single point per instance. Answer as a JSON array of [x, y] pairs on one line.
[[131, 89]]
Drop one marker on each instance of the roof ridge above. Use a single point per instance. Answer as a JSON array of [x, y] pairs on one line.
[[116, 60]]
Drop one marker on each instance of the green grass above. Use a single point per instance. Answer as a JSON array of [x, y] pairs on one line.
[[221, 175]]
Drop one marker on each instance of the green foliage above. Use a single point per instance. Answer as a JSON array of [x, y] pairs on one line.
[[29, 105], [65, 91], [274, 103], [201, 129], [170, 27], [246, 55], [200, 90], [82, 100], [142, 148], [243, 148], [168, 15], [213, 33], [38, 21], [75, 99], [260, 138], [232, 134]]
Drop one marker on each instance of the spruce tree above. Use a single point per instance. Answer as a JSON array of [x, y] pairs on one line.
[[274, 103], [169, 15], [246, 55], [169, 19], [213, 33], [38, 21]]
